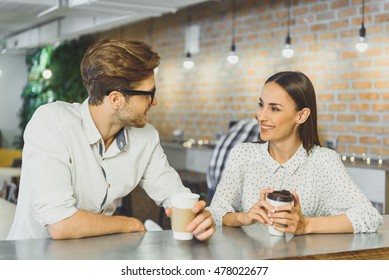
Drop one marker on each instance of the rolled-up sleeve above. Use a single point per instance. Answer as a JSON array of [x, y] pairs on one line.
[[344, 197], [49, 169], [159, 179]]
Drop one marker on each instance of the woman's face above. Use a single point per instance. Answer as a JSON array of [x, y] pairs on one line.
[[277, 115]]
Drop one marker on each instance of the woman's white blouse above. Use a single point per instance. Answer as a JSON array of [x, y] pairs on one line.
[[320, 179]]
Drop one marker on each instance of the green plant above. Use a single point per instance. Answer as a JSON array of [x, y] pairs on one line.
[[65, 83]]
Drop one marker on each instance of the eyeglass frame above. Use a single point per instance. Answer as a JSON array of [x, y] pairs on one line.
[[150, 93]]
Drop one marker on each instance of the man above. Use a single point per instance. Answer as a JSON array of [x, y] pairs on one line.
[[79, 160]]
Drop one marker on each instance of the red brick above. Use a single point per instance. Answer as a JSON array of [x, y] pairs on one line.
[[339, 86], [300, 11], [362, 63], [361, 129], [369, 118], [381, 18], [358, 150], [381, 107], [328, 36], [351, 75], [337, 107], [382, 84], [359, 107], [380, 62], [349, 55], [347, 13], [319, 7], [382, 130], [361, 85], [380, 150], [340, 128], [346, 118], [339, 24], [347, 138], [321, 107], [339, 4], [341, 149], [369, 96], [325, 117], [318, 27], [347, 97]]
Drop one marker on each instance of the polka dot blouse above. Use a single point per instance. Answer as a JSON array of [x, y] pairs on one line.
[[320, 180]]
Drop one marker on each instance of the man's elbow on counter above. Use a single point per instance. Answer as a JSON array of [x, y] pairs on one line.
[[57, 232]]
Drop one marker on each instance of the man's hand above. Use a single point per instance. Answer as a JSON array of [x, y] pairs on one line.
[[202, 226]]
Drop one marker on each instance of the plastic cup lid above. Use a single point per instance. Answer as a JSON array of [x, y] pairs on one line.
[[283, 196]]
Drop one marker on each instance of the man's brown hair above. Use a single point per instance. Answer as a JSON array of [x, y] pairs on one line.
[[112, 64]]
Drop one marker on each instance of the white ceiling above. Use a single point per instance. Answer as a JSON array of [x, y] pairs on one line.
[[27, 24]]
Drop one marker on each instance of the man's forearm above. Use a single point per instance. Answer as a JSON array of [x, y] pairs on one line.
[[85, 224]]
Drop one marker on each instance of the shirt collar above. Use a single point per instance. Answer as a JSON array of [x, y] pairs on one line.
[[92, 133], [291, 165]]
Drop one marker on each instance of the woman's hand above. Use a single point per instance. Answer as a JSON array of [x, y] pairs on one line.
[[258, 212], [255, 214], [289, 216]]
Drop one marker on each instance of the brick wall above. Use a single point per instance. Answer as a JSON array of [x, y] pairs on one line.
[[352, 88]]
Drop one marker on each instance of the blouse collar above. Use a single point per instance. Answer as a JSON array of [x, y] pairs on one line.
[[291, 165]]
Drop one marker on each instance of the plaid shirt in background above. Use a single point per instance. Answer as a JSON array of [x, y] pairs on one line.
[[243, 131]]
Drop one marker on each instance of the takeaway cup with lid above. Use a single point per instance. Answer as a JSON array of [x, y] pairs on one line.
[[278, 198]]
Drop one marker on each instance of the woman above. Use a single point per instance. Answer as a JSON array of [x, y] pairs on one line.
[[290, 157]]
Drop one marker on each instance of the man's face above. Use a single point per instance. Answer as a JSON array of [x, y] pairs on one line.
[[134, 110]]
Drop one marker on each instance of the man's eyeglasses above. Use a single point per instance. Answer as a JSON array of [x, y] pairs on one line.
[[135, 92]]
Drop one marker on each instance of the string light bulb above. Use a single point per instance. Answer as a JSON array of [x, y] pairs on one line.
[[288, 51], [233, 58], [188, 62], [362, 45]]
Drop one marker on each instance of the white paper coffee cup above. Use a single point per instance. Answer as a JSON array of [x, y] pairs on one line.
[[279, 198], [182, 215]]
